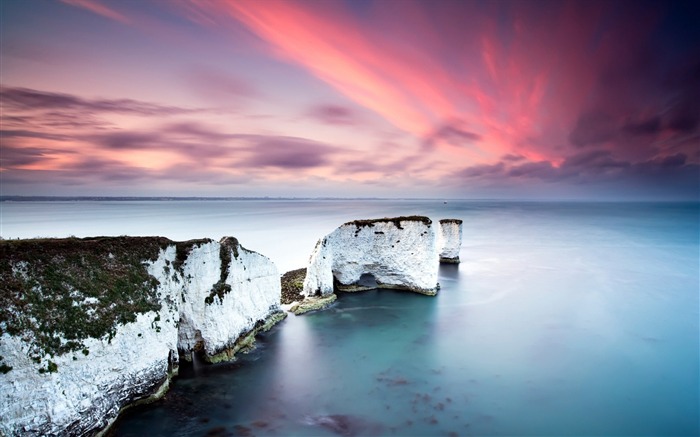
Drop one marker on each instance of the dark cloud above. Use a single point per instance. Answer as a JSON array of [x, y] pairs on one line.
[[107, 170], [684, 117], [129, 140], [370, 165], [452, 132], [288, 152], [29, 99], [477, 171], [12, 156], [646, 96], [191, 140], [199, 131], [32, 134], [598, 171], [591, 160], [538, 170], [512, 158], [593, 127], [683, 83], [201, 144], [677, 160], [52, 120], [650, 126], [333, 114]]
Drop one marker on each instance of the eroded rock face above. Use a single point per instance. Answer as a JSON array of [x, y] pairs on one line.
[[247, 291], [451, 240], [400, 253], [204, 295]]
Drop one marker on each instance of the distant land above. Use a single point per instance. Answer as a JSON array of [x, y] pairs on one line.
[[166, 198], [204, 198]]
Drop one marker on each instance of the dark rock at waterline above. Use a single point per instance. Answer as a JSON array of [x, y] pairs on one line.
[[313, 304], [219, 431]]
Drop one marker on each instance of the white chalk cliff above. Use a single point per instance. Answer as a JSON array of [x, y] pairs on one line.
[[210, 296], [401, 253]]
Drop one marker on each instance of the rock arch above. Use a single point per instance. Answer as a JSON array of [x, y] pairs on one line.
[[401, 253]]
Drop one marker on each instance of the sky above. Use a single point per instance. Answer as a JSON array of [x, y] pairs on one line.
[[324, 98]]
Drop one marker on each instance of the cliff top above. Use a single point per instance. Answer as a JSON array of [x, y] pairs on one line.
[[395, 220], [59, 292], [457, 221]]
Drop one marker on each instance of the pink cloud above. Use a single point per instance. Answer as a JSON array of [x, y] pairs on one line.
[[413, 73], [545, 90], [99, 9]]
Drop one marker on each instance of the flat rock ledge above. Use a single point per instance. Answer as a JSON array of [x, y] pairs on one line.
[[446, 260], [356, 288], [313, 304], [246, 342]]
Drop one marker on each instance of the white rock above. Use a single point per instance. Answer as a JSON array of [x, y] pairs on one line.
[[398, 253], [255, 294], [450, 240], [86, 393]]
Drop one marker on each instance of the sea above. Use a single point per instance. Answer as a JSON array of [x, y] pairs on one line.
[[563, 319]]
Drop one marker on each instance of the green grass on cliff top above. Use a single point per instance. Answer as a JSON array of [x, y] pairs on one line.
[[55, 293]]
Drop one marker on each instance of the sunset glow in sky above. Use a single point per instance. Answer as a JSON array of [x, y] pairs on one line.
[[390, 98]]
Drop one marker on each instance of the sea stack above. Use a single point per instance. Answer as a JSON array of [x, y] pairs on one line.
[[89, 326], [400, 253], [451, 240]]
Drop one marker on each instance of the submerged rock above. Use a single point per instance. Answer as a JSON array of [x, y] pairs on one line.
[[346, 425], [90, 326], [401, 253]]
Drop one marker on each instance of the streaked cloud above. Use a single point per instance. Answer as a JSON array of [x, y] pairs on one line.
[[333, 114], [393, 94], [19, 99], [99, 9]]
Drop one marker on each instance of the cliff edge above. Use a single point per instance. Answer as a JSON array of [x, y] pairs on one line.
[[89, 326]]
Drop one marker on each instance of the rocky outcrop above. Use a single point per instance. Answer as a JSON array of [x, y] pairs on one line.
[[401, 252], [313, 303], [450, 240], [89, 326]]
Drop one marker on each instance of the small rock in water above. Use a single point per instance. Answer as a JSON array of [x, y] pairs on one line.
[[219, 431], [260, 424], [345, 425], [243, 431]]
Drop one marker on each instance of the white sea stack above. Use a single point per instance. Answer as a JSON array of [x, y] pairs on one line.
[[204, 296], [451, 240], [400, 253]]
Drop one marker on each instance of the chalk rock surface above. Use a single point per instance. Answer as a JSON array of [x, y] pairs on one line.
[[88, 326], [400, 252], [450, 240]]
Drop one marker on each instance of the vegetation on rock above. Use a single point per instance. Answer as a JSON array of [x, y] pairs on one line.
[[55, 293], [293, 285], [221, 288], [395, 220], [456, 221]]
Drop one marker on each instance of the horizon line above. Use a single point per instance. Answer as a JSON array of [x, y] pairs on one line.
[[34, 198]]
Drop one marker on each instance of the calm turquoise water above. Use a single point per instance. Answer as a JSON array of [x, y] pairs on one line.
[[563, 319]]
